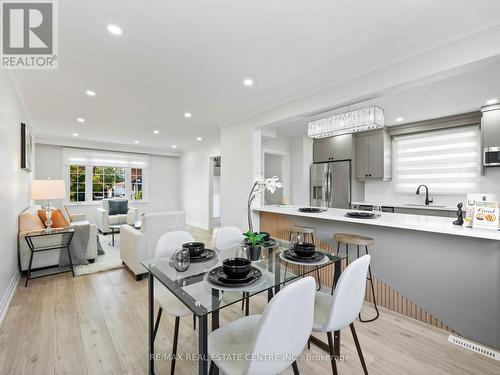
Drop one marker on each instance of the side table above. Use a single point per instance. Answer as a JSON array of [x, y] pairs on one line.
[[41, 241]]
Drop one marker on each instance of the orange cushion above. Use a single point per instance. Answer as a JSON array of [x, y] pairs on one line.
[[58, 219]]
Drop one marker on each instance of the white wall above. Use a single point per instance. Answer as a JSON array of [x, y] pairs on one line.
[[163, 181], [14, 188], [241, 163], [301, 158], [383, 191], [194, 167]]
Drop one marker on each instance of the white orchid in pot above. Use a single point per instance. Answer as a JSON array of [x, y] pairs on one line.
[[260, 185], [254, 240]]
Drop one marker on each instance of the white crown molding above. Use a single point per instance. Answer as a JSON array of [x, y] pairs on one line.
[[21, 94], [460, 35], [99, 145]]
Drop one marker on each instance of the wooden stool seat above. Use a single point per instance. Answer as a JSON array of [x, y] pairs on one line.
[[304, 230], [306, 233], [353, 239]]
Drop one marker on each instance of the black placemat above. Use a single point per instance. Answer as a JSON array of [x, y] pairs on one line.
[[218, 277]]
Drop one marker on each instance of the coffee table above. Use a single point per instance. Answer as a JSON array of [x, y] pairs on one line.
[[115, 228]]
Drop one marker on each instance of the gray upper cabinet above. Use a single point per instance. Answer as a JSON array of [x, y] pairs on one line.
[[373, 155], [333, 148], [491, 127]]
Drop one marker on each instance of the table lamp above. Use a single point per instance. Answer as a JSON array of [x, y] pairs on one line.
[[48, 190]]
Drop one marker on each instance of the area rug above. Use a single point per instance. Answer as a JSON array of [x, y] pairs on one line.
[[110, 260]]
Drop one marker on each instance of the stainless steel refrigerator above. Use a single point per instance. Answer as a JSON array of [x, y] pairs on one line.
[[331, 184]]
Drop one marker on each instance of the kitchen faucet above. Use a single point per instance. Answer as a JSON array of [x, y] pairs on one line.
[[427, 200]]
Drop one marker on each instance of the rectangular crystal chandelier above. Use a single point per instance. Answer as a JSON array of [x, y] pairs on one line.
[[361, 120]]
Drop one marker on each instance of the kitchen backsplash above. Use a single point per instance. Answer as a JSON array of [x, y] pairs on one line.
[[383, 191]]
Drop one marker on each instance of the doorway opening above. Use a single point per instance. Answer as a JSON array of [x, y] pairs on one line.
[[275, 163], [214, 192]]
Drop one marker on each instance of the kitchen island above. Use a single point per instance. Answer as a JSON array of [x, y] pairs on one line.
[[425, 267]]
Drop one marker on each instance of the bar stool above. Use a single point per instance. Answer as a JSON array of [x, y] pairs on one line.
[[305, 232], [353, 239]]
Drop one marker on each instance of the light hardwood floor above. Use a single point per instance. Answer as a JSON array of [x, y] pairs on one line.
[[97, 324]]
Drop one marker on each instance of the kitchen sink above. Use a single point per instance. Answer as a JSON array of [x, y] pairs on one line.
[[422, 205]]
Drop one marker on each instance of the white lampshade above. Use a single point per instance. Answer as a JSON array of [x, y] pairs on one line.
[[48, 189]]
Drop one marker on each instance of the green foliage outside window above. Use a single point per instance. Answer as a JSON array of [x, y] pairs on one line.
[[77, 183]]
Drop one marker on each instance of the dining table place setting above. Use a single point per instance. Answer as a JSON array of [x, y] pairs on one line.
[[235, 274], [303, 253]]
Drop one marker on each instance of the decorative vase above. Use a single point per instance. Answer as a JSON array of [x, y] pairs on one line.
[[254, 253]]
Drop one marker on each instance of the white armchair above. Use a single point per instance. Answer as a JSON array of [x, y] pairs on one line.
[[104, 219], [138, 245]]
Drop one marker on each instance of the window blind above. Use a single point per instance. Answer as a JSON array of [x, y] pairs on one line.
[[76, 156], [447, 161]]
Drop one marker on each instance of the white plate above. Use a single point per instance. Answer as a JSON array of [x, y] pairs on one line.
[[318, 263]]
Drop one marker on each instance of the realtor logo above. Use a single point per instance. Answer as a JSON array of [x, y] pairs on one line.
[[29, 38]]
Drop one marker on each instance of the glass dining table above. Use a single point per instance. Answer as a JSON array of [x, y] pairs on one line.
[[193, 289]]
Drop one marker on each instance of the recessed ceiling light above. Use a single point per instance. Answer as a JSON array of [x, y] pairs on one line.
[[187, 115], [136, 142], [156, 132], [248, 82], [199, 139], [74, 134], [492, 101], [115, 30], [174, 146], [90, 93], [80, 119], [399, 119]]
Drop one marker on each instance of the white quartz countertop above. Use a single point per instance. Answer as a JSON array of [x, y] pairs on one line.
[[415, 206], [423, 223]]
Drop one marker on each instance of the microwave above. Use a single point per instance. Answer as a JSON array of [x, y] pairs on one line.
[[491, 156]]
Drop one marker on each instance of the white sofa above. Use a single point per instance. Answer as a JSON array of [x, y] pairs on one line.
[[104, 219], [30, 221], [138, 245]]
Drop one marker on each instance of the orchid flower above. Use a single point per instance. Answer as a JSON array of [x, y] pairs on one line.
[[260, 185]]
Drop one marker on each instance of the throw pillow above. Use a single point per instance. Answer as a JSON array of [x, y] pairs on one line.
[[30, 221], [118, 207], [58, 219]]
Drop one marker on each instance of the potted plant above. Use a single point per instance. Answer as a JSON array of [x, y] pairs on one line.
[[253, 241], [260, 185]]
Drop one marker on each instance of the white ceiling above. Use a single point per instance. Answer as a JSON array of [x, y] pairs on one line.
[[458, 91], [191, 56]]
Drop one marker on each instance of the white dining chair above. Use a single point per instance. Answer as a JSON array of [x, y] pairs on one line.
[[227, 241], [167, 245], [228, 238], [267, 343], [339, 310]]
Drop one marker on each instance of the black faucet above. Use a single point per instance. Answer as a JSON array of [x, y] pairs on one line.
[[427, 200]]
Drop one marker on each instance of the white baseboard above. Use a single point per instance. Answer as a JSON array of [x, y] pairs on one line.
[[196, 224], [9, 293]]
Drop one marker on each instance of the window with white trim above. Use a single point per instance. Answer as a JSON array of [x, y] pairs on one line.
[[447, 161], [93, 175]]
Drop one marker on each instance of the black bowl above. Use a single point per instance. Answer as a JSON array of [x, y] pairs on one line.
[[236, 268], [266, 237], [195, 248], [304, 249]]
